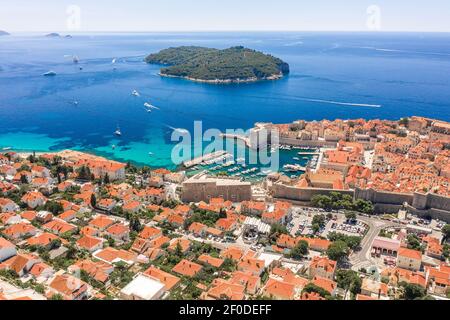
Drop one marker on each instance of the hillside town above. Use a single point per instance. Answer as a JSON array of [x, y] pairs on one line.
[[369, 222]]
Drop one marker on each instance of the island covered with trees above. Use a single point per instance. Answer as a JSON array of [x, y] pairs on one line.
[[232, 65]]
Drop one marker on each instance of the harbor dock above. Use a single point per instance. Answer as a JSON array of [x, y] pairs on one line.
[[205, 157]]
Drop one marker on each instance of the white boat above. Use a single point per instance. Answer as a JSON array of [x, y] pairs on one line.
[[151, 154], [295, 158], [113, 146], [114, 61], [118, 132], [181, 131], [150, 106], [7, 148], [50, 73], [135, 93], [293, 167]]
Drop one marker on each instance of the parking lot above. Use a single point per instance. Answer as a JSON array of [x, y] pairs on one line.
[[301, 223], [353, 229]]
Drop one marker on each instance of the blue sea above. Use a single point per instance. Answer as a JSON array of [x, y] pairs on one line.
[[333, 75]]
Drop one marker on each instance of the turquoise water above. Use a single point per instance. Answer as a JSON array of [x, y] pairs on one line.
[[333, 75]]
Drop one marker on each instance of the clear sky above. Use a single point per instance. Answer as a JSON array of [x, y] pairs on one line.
[[224, 15]]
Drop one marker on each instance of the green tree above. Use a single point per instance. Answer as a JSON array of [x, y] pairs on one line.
[[93, 201], [54, 207], [446, 232], [106, 179], [414, 242], [135, 223], [71, 252], [222, 213], [321, 201], [404, 122], [23, 179], [337, 250], [349, 280], [413, 291], [364, 206], [84, 173], [319, 219], [350, 216], [179, 250], [300, 250], [310, 287], [55, 244], [39, 288], [353, 242], [276, 230]]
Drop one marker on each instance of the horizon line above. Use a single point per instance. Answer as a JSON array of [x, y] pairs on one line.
[[223, 31]]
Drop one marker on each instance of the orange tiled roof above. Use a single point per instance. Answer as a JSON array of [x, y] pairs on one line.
[[169, 280], [187, 268]]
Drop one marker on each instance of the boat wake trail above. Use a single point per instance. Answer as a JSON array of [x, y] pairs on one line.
[[406, 51], [341, 103]]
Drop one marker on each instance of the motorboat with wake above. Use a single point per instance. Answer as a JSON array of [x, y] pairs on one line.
[[50, 73], [150, 106]]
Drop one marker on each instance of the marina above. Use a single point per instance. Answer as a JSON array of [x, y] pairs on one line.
[[204, 158]]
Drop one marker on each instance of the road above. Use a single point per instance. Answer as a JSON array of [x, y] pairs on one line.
[[362, 258]]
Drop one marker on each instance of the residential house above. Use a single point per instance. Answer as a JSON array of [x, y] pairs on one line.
[[34, 199], [89, 243], [19, 230], [187, 268], [373, 288], [409, 259], [7, 249], [7, 205], [69, 287], [322, 267]]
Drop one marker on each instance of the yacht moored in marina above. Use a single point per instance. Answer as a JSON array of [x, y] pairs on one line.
[[293, 167]]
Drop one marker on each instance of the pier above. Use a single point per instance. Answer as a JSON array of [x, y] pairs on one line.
[[205, 157], [308, 153], [236, 137]]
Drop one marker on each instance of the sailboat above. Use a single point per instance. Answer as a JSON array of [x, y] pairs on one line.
[[135, 93], [75, 59]]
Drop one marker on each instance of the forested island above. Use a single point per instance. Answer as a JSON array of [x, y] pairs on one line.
[[53, 35], [232, 65]]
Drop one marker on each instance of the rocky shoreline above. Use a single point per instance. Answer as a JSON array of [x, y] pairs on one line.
[[226, 81]]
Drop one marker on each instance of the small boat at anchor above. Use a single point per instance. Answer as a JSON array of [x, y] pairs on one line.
[[118, 132]]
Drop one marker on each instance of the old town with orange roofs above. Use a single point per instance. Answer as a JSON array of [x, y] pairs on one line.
[[370, 221]]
